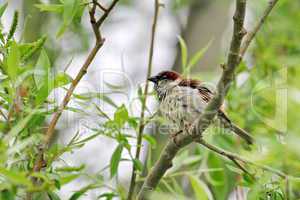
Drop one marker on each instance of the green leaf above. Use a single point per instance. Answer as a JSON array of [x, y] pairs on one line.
[[68, 178], [53, 196], [79, 13], [82, 191], [29, 49], [138, 164], [70, 168], [234, 169], [201, 190], [42, 70], [62, 79], [70, 10], [15, 177], [13, 61], [184, 52], [216, 178], [61, 30], [121, 116], [150, 140], [43, 93], [58, 8], [114, 87], [107, 196], [196, 57], [2, 9], [7, 195], [106, 99], [21, 125], [13, 26], [115, 160]]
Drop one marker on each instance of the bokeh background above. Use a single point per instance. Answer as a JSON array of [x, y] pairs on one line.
[[264, 98]]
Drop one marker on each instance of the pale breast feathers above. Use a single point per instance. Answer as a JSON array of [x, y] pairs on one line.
[[185, 103]]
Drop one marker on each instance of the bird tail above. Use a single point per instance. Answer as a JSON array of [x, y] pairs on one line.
[[234, 128], [242, 133]]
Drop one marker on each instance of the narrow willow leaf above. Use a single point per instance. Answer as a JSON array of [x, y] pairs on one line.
[[53, 196], [201, 190], [68, 178], [21, 125], [2, 9], [7, 195], [169, 187], [114, 87], [184, 52], [70, 9], [216, 178], [121, 116], [42, 70], [82, 191], [234, 169], [107, 196], [13, 61], [43, 93], [70, 168], [115, 160], [138, 164], [105, 98], [150, 140], [15, 177], [13, 26], [58, 8], [196, 58], [62, 79], [79, 13], [28, 50]]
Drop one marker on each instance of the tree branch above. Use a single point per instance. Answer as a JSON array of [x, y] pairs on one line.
[[163, 164], [39, 163], [234, 58], [144, 100], [250, 35], [235, 157]]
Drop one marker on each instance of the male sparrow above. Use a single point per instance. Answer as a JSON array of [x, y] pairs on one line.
[[183, 100]]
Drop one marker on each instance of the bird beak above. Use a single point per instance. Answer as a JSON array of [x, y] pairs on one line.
[[153, 79]]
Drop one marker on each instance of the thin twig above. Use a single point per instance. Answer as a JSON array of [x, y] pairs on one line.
[[235, 157], [39, 163], [234, 58], [108, 10], [251, 34], [101, 7], [3, 115], [144, 100]]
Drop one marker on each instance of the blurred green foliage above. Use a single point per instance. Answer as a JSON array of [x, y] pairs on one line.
[[265, 102]]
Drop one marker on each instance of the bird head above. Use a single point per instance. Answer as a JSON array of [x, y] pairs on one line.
[[164, 78]]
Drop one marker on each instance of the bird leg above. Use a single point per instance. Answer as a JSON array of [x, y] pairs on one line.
[[174, 135]]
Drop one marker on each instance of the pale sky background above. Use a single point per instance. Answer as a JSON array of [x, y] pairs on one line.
[[123, 59]]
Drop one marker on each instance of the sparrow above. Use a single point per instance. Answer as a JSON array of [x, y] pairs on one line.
[[181, 101]]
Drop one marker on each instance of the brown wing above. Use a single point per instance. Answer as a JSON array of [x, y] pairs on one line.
[[205, 93]]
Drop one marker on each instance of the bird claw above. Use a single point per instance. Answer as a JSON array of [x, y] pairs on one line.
[[173, 137]]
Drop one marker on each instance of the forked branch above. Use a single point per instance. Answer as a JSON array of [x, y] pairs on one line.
[[96, 24], [144, 100], [234, 58]]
